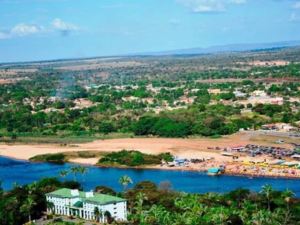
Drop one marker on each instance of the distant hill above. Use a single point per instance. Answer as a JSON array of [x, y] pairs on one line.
[[226, 48], [257, 47]]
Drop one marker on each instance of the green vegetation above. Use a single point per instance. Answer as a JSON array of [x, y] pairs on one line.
[[133, 158], [149, 204], [170, 97], [158, 205], [25, 203], [63, 157], [121, 158], [125, 181], [58, 158]]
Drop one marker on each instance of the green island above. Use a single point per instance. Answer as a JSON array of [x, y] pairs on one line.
[[133, 158], [63, 157], [126, 158]]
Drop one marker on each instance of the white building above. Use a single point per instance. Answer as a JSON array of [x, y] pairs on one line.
[[85, 205], [239, 94], [259, 93]]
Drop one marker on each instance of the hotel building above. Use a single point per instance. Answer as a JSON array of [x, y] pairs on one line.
[[86, 205]]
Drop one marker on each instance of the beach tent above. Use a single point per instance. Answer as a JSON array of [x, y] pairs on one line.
[[290, 163], [296, 156], [277, 162], [213, 171]]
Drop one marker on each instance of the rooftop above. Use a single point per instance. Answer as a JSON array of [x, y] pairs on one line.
[[86, 196]]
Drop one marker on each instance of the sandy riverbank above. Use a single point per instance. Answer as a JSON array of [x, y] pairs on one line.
[[234, 168], [201, 148], [185, 148]]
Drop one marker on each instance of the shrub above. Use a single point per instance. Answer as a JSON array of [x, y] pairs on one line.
[[58, 158], [134, 158]]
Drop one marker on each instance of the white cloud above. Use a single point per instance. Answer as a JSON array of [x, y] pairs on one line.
[[203, 5], [296, 5], [23, 29], [64, 27], [206, 6], [20, 30]]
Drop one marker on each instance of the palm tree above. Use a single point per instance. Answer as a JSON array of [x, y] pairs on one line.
[[75, 171], [32, 188], [158, 215], [140, 214], [264, 217], [108, 216], [63, 173], [210, 198], [50, 206], [98, 214], [220, 215], [27, 206], [125, 181], [287, 195], [267, 191], [191, 203], [246, 210], [82, 170]]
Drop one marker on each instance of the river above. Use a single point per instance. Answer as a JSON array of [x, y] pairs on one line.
[[23, 172]]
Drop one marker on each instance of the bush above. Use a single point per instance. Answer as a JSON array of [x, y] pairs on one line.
[[58, 158], [134, 158], [161, 126]]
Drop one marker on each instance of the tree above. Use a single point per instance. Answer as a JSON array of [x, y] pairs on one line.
[[105, 190], [82, 170], [157, 214], [63, 173], [27, 206], [50, 206], [75, 171], [145, 125], [98, 214], [125, 181], [220, 215], [263, 217], [106, 127], [287, 195], [167, 127], [239, 195], [267, 191], [108, 216], [140, 216]]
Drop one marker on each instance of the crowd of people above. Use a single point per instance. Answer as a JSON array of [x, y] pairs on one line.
[[250, 160]]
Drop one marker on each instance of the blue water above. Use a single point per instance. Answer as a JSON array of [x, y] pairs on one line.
[[23, 172]]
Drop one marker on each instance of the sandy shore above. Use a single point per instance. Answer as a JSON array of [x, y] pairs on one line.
[[185, 148]]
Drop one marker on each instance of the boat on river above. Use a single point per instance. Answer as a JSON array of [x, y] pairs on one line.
[[214, 171]]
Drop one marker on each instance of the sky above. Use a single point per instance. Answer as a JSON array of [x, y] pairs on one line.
[[54, 29]]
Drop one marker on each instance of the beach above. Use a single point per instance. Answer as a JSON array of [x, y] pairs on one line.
[[192, 148]]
